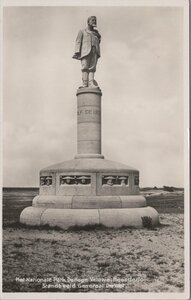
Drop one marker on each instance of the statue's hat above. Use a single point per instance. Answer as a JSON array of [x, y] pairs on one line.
[[84, 177], [109, 177]]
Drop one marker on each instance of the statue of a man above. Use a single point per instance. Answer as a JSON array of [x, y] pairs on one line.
[[87, 50]]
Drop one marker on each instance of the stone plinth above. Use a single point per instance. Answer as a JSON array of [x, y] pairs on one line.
[[89, 190]]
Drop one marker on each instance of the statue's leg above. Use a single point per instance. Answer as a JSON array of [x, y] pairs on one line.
[[92, 83], [85, 78], [84, 63], [92, 68]]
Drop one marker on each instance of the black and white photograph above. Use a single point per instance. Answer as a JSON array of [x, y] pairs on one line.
[[95, 176]]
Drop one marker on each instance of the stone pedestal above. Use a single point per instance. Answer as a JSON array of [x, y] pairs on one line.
[[89, 189], [89, 123]]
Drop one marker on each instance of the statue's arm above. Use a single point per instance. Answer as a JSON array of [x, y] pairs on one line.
[[98, 35], [78, 44]]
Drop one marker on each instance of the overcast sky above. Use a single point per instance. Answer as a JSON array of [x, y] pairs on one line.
[[140, 73]]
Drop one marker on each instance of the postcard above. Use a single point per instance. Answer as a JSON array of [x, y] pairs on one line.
[[95, 176]]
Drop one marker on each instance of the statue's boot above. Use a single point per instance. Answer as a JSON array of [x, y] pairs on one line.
[[84, 79], [92, 83]]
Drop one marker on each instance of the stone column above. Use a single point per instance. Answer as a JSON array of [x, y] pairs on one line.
[[89, 123]]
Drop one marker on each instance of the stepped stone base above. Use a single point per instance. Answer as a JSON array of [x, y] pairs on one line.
[[67, 218], [89, 191], [88, 202]]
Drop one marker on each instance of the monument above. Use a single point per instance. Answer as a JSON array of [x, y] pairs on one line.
[[89, 190]]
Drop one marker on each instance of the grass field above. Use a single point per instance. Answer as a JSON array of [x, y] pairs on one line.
[[94, 260]]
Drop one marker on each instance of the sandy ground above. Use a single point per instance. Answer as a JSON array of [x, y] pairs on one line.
[[100, 260]]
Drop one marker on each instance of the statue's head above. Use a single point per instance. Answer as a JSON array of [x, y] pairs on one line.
[[92, 21]]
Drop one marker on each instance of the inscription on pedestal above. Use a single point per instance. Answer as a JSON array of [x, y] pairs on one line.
[[88, 114]]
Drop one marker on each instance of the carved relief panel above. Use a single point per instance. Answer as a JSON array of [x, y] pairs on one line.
[[75, 180], [75, 184], [136, 180], [113, 183], [45, 180], [47, 184], [115, 180]]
